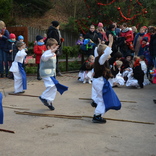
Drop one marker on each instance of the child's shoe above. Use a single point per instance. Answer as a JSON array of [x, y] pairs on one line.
[[45, 102], [89, 81], [93, 104], [84, 81], [98, 119]]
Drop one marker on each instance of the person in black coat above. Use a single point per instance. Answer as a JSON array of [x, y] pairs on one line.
[[54, 32], [11, 50], [94, 37], [152, 46]]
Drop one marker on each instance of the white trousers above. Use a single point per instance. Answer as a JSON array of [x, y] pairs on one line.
[[97, 87], [50, 93], [18, 85]]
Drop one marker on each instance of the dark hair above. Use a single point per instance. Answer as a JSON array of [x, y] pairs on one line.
[[124, 24], [111, 27], [117, 55]]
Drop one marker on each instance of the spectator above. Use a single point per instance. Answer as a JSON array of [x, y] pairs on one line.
[[127, 35], [137, 40], [54, 32], [4, 36], [152, 46], [93, 36]]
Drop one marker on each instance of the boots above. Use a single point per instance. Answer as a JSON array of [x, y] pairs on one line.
[[98, 119]]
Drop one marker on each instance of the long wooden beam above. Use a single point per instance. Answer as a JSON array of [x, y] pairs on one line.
[[77, 117]]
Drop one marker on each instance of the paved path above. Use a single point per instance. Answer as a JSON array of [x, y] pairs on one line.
[[38, 136]]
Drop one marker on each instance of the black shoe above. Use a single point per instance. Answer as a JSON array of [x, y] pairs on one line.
[[98, 119], [154, 101], [93, 104], [45, 102], [51, 107], [39, 78]]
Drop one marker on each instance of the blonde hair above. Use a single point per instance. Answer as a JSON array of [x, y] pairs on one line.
[[101, 48], [90, 57], [119, 63], [50, 42], [2, 25]]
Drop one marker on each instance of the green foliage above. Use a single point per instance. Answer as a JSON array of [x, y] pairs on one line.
[[31, 69], [5, 11], [31, 8], [71, 51], [71, 25], [75, 65]]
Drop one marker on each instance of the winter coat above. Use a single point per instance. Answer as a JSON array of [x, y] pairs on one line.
[[10, 46], [152, 46], [128, 34], [4, 39], [93, 36], [53, 33], [38, 50]]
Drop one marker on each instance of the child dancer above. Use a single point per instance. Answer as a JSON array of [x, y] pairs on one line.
[[39, 48], [138, 72], [115, 70], [86, 72], [102, 93], [48, 73], [20, 81], [144, 68], [131, 81]]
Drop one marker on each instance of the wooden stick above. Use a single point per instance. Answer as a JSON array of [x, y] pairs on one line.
[[120, 101], [15, 108], [77, 117], [23, 95], [48, 115], [4, 130], [122, 120]]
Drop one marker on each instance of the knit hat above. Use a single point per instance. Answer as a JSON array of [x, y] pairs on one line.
[[100, 24], [55, 23], [12, 36], [38, 37], [20, 37], [145, 39], [144, 27]]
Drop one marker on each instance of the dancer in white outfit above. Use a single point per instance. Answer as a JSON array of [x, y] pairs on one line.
[[48, 73], [20, 82], [102, 93]]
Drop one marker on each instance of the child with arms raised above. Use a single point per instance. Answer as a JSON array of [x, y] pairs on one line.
[[48, 73], [102, 92]]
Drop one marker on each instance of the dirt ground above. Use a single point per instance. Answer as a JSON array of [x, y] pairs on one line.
[[45, 136]]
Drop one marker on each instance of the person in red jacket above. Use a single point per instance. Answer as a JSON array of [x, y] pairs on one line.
[[39, 48], [127, 34]]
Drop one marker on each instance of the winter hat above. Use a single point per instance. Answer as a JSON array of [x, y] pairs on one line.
[[20, 37], [129, 54], [144, 27], [55, 23], [145, 39], [38, 37], [100, 24], [12, 36]]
